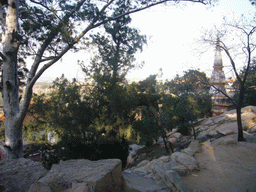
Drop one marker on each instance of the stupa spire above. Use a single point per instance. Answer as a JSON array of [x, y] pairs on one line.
[[220, 102], [218, 57]]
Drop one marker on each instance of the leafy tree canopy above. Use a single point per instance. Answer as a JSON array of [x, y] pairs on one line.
[[249, 86], [193, 81], [63, 111]]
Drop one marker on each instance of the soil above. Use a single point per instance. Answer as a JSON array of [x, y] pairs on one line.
[[223, 167], [227, 168]]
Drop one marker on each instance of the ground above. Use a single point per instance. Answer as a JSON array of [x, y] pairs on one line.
[[225, 168]]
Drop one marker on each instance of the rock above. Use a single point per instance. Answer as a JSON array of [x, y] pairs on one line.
[[151, 163], [248, 115], [249, 109], [135, 147], [132, 153], [162, 162], [51, 183], [220, 119], [19, 174], [141, 156], [171, 179], [186, 160], [227, 128], [142, 163], [226, 140], [208, 121], [173, 141], [251, 125], [165, 159], [252, 129], [195, 146], [81, 187], [207, 145], [188, 151], [177, 135], [180, 169], [141, 171], [136, 183], [251, 138], [102, 175], [130, 159], [231, 115]]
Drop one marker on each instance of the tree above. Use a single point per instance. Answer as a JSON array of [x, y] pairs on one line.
[[116, 52], [196, 86], [190, 100], [147, 121], [192, 81], [250, 86], [47, 31], [114, 58], [66, 111], [244, 37]]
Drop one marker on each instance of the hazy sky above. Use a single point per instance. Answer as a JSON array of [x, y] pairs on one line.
[[173, 33]]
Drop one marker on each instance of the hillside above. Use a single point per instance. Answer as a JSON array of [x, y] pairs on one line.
[[225, 167], [213, 162], [220, 162]]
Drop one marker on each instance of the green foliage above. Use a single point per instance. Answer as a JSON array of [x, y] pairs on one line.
[[74, 148], [116, 53], [249, 86], [193, 81], [189, 100], [63, 111], [148, 85], [147, 123], [114, 58], [148, 129]]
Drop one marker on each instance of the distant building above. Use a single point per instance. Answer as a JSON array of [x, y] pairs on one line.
[[221, 102]]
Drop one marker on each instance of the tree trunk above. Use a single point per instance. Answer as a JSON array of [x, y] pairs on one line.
[[239, 113], [10, 83], [165, 143], [239, 125]]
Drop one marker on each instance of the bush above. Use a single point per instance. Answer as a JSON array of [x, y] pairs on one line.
[[184, 129], [148, 130], [73, 148]]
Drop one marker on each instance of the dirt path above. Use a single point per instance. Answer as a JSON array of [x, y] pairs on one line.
[[225, 168]]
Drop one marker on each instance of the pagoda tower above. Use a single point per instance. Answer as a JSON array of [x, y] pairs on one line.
[[221, 103]]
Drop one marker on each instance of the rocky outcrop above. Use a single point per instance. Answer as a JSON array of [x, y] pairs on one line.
[[82, 175], [226, 124], [169, 169], [19, 174]]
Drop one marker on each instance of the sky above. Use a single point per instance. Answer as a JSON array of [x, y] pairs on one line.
[[173, 35]]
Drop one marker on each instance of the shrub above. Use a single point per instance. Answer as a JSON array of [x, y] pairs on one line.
[[73, 148]]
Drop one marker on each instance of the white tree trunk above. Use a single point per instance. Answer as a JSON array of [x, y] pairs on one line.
[[10, 83]]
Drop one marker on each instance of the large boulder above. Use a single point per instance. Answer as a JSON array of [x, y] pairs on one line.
[[19, 174], [82, 175]]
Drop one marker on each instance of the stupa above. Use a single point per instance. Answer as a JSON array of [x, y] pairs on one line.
[[220, 101]]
